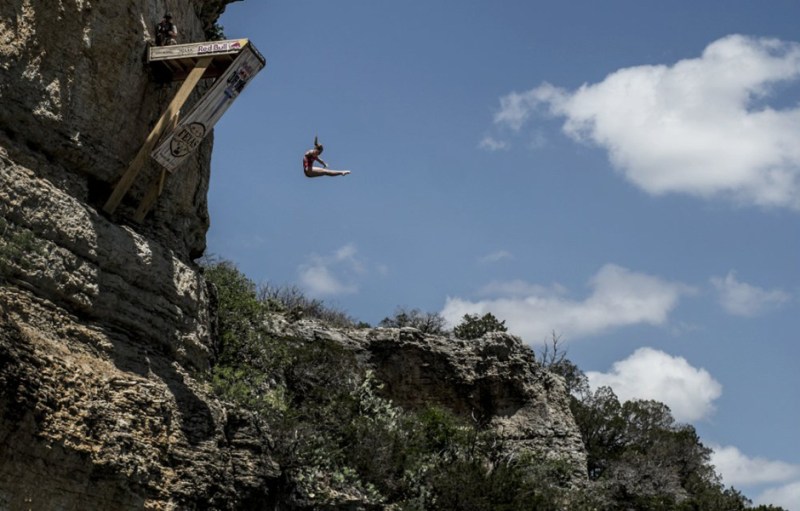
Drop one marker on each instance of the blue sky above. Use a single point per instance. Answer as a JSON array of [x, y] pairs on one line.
[[625, 173]]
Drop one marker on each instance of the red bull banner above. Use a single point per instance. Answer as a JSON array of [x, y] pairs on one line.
[[176, 51], [194, 126]]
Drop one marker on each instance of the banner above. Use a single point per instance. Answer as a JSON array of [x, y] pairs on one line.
[[193, 127], [231, 46]]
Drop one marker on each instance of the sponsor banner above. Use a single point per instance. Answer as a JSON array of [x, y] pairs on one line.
[[193, 127], [196, 49]]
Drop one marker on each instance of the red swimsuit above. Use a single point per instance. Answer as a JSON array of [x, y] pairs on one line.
[[308, 161]]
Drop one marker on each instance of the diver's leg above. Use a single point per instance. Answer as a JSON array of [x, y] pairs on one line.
[[319, 171]]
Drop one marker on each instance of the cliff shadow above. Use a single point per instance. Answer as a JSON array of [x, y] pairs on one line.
[[414, 377], [148, 318]]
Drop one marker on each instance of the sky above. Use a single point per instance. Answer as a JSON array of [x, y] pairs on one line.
[[624, 174]]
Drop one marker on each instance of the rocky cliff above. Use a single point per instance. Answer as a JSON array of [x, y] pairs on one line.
[[105, 324], [494, 379]]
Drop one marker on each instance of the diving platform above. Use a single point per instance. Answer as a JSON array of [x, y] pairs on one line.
[[180, 59], [232, 64]]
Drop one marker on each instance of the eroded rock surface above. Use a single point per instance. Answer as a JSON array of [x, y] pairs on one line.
[[104, 323], [494, 380]]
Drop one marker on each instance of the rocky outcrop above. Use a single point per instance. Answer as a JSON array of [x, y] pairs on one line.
[[494, 380], [90, 420]]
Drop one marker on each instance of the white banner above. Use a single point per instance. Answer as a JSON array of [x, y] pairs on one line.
[[193, 127], [231, 46]]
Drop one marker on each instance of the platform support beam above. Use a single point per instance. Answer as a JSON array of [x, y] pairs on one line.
[[167, 119], [153, 193]]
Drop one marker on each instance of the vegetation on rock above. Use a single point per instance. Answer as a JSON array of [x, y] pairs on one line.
[[638, 456], [17, 246], [474, 326], [426, 322], [341, 445]]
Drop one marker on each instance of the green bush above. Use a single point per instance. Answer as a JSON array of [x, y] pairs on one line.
[[17, 245], [474, 326], [427, 322], [291, 301], [336, 436]]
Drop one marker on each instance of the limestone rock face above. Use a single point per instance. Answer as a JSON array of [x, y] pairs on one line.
[[494, 380], [103, 322], [75, 89]]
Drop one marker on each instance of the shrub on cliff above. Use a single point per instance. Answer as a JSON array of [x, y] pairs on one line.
[[474, 326], [338, 441], [638, 457], [426, 322], [340, 444], [291, 301], [17, 246]]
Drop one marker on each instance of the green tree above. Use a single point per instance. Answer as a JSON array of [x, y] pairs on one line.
[[474, 326], [639, 458], [602, 429], [334, 433]]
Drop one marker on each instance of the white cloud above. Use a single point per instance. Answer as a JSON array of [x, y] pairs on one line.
[[332, 275], [318, 280], [787, 496], [516, 108], [492, 144], [652, 374], [497, 256], [619, 297], [521, 289], [742, 299], [737, 469], [698, 127], [538, 140]]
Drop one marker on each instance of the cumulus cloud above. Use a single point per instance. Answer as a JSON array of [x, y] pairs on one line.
[[335, 274], [318, 280], [787, 496], [738, 469], [492, 144], [521, 289], [619, 297], [701, 126], [495, 257], [742, 299], [652, 374]]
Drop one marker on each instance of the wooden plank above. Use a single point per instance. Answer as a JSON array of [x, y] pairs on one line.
[[156, 188], [167, 118], [150, 198], [174, 65]]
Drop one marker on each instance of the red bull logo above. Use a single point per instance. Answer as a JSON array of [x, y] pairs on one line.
[[219, 47]]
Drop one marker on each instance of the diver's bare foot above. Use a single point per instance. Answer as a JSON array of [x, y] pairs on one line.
[[344, 172]]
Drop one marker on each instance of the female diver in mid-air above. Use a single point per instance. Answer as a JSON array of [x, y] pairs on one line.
[[311, 156]]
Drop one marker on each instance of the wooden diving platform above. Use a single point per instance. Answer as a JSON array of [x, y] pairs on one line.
[[180, 59], [233, 63]]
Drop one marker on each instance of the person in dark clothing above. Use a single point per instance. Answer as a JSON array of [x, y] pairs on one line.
[[166, 31]]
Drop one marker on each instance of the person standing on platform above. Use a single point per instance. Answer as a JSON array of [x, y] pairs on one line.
[[166, 32]]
